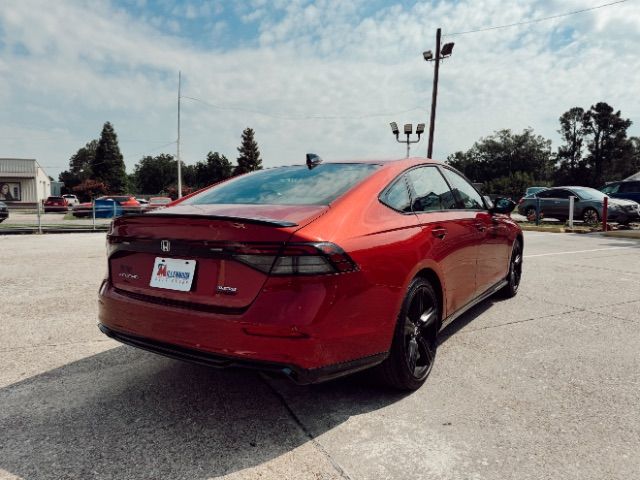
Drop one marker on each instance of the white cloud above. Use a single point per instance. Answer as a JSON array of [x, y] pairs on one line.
[[90, 62]]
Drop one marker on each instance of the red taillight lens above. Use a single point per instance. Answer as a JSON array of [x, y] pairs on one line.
[[297, 259]]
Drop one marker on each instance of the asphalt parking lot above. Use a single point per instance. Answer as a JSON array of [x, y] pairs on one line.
[[546, 385]]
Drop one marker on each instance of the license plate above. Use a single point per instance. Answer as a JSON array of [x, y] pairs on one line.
[[173, 274]]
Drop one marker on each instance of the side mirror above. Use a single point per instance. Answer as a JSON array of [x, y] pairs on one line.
[[503, 205]]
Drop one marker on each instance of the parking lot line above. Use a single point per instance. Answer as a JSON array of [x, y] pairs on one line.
[[578, 251]]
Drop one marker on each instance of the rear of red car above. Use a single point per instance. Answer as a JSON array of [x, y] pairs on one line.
[[56, 204], [230, 278]]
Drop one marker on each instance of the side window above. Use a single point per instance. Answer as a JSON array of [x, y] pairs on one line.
[[629, 187], [563, 194], [552, 193], [469, 198], [431, 190], [397, 197]]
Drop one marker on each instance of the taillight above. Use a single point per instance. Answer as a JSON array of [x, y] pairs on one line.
[[296, 259]]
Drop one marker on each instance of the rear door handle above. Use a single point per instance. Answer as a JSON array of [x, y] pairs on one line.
[[439, 232]]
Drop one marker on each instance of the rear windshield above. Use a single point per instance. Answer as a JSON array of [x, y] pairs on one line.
[[288, 185], [52, 199]]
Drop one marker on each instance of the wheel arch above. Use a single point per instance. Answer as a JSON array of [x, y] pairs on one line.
[[431, 276]]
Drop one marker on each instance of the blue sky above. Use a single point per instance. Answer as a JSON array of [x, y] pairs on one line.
[[325, 76]]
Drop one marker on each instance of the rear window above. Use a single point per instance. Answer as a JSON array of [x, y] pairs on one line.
[[54, 199], [288, 185]]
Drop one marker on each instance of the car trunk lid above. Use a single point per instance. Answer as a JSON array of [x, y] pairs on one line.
[[191, 254]]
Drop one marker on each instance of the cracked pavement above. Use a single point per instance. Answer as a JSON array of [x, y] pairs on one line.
[[546, 385]]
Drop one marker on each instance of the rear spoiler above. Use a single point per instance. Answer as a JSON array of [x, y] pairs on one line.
[[269, 222]]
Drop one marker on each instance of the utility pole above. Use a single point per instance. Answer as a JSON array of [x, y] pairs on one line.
[[434, 95], [178, 142]]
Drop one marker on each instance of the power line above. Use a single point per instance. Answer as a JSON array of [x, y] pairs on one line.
[[535, 20], [300, 117]]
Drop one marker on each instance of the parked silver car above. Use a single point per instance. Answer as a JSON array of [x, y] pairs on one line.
[[589, 202]]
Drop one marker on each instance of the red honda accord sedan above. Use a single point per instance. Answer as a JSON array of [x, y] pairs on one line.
[[314, 271]]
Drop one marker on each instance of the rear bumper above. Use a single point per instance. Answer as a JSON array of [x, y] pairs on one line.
[[307, 329], [299, 375]]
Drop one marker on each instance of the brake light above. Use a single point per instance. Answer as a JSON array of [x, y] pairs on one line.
[[297, 259]]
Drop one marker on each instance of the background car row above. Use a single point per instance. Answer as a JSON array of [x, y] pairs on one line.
[[588, 205]]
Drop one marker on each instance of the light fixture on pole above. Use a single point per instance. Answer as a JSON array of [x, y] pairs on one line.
[[408, 130], [441, 53]]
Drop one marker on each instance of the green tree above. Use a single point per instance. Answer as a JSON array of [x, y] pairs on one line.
[[506, 160], [572, 168], [79, 166], [108, 164], [249, 155], [609, 147], [213, 170], [154, 175]]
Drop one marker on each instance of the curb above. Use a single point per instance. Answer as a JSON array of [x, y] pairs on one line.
[[533, 228], [631, 234], [45, 230]]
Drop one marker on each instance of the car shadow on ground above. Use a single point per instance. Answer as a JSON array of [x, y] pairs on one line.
[[128, 413]]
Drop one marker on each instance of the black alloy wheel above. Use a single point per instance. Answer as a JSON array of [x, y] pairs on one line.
[[590, 216], [515, 271], [415, 339]]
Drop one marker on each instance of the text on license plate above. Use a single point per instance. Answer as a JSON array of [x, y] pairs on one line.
[[173, 274]]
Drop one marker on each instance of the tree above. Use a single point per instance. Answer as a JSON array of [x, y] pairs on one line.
[[609, 147], [249, 158], [79, 166], [572, 168], [108, 164], [502, 159], [215, 169], [89, 189], [154, 175]]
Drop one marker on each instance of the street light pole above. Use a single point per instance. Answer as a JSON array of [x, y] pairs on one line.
[[441, 53], [434, 95]]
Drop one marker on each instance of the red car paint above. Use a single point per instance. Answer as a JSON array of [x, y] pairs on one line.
[[311, 327]]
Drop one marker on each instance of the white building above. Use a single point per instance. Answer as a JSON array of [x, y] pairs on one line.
[[23, 181]]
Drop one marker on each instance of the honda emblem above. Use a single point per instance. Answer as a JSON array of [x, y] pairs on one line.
[[165, 245]]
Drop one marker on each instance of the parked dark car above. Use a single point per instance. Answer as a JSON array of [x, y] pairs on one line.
[[589, 202], [313, 271], [4, 212], [56, 204], [629, 190]]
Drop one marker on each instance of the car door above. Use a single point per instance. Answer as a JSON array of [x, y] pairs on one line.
[[450, 236], [548, 200], [493, 245], [560, 203]]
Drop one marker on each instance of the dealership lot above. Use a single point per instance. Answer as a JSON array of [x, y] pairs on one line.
[[546, 385]]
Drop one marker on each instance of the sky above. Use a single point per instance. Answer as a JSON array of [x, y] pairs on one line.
[[322, 76]]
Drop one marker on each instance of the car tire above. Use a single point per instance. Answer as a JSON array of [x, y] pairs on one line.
[[515, 272], [529, 212], [415, 339], [590, 216]]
